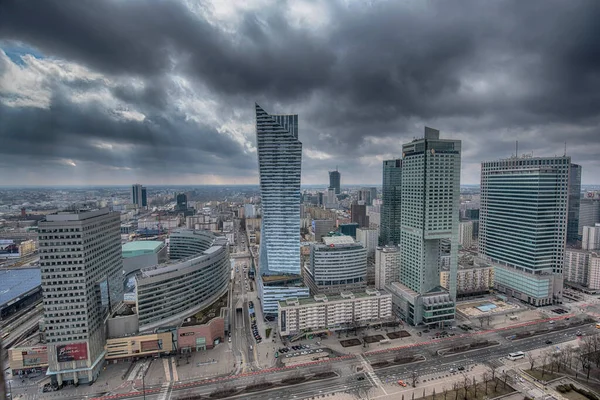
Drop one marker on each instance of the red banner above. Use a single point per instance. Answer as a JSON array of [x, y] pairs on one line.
[[71, 352]]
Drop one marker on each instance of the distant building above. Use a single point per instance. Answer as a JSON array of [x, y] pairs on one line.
[[338, 264], [387, 266], [517, 194], [589, 210], [574, 203], [330, 199], [324, 313], [335, 181], [182, 204], [322, 227], [591, 237], [358, 214], [139, 195], [465, 234], [367, 237], [76, 341], [366, 195], [249, 211], [348, 229], [389, 232]]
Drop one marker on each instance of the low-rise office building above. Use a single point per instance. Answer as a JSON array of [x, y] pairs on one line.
[[338, 264], [328, 313], [168, 293], [143, 254]]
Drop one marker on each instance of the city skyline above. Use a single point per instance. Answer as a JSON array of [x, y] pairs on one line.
[[150, 107]]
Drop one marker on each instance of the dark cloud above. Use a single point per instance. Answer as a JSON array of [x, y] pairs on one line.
[[487, 72]]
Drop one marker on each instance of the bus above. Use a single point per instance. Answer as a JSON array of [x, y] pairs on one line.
[[516, 356]]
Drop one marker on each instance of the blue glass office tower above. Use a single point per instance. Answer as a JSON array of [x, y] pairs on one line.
[[279, 165], [523, 225]]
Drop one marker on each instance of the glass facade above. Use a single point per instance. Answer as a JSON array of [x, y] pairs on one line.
[[523, 224], [279, 163], [390, 209]]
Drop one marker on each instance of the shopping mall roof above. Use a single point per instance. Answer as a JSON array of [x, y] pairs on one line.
[[17, 283], [139, 247]]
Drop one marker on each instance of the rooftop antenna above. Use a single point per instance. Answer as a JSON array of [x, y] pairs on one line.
[[517, 149], [565, 149], [336, 168]]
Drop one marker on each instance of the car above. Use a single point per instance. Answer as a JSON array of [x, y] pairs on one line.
[[319, 351], [402, 383], [461, 368], [360, 378], [548, 341], [230, 339], [452, 370]]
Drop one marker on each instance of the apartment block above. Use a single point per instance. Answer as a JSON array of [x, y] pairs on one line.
[[328, 313]]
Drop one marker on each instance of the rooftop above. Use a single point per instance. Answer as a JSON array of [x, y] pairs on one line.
[[329, 298], [333, 240], [18, 282], [139, 247]]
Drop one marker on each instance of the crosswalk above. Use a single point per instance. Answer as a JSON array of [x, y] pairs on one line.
[[165, 392], [371, 373]]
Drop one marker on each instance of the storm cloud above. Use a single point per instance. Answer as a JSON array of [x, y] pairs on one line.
[[163, 91]]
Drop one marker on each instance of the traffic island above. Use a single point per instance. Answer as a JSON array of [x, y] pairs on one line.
[[467, 347], [398, 334], [373, 339], [399, 360], [350, 342]]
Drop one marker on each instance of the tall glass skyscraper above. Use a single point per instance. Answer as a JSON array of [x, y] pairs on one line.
[[523, 225], [279, 165], [334, 181], [574, 203], [430, 203], [389, 232]]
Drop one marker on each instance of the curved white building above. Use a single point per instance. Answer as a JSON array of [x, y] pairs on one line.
[[168, 293], [339, 264]]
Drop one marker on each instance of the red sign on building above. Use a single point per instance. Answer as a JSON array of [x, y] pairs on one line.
[[71, 352]]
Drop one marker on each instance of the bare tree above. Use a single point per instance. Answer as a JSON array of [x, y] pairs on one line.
[[481, 321], [544, 360], [531, 360], [504, 377], [466, 382], [568, 352], [433, 394], [486, 378], [455, 387], [445, 393], [414, 376], [474, 388], [488, 319]]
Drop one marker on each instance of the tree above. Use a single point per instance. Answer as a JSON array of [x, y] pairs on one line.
[[504, 377], [413, 378], [433, 394], [445, 393], [474, 388], [531, 360], [488, 319], [481, 321], [466, 382], [544, 359], [455, 387], [486, 378]]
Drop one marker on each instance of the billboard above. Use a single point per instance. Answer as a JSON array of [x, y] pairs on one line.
[[9, 249], [71, 352], [592, 195]]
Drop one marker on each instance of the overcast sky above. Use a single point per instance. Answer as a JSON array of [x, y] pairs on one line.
[[161, 92]]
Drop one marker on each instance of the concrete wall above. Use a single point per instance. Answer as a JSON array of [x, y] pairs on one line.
[[123, 326]]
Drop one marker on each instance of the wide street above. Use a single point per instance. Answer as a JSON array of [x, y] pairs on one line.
[[349, 381]]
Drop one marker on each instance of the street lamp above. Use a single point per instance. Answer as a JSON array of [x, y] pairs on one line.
[[144, 385]]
